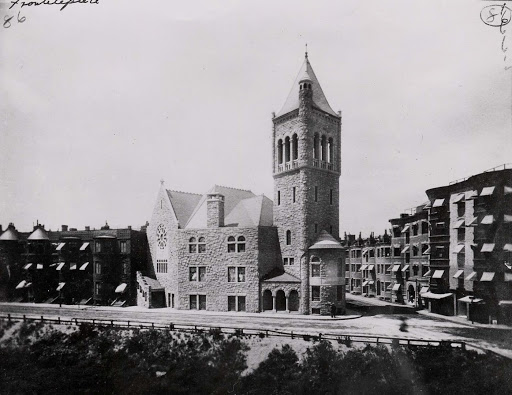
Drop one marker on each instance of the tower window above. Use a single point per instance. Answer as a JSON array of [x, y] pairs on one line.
[[192, 245], [316, 193], [280, 151], [323, 144], [288, 237], [240, 245], [294, 191], [331, 151], [278, 198], [295, 147], [315, 147], [287, 149], [231, 244], [330, 196]]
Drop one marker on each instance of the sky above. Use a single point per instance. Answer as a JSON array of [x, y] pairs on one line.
[[99, 102]]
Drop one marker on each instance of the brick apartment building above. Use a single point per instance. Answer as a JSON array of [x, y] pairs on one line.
[[231, 250], [71, 266]]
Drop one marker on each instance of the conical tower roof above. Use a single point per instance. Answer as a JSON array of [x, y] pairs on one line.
[[10, 234], [39, 234], [319, 100], [325, 241]]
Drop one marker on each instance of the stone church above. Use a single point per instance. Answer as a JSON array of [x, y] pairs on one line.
[[231, 250]]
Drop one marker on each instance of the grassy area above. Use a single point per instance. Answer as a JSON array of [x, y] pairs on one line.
[[37, 358]]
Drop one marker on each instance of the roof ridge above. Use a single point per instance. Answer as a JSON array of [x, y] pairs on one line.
[[237, 189], [188, 193]]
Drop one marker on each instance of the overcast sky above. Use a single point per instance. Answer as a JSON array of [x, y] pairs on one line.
[[100, 102]]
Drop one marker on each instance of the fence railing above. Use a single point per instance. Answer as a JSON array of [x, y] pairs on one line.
[[345, 338]]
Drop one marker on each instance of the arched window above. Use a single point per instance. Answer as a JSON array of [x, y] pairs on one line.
[[231, 244], [315, 147], [323, 152], [315, 259], [288, 237], [295, 144], [192, 245], [287, 149], [331, 151], [240, 245], [201, 246], [280, 151]]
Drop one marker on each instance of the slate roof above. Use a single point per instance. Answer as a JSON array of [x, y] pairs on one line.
[[242, 208], [319, 99], [325, 241], [275, 276]]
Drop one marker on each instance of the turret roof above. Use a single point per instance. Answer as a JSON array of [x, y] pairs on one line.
[[39, 234], [319, 99], [325, 241]]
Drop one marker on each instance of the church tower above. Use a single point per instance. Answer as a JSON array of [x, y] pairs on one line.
[[306, 171]]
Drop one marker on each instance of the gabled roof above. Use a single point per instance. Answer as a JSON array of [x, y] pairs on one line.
[[242, 208], [274, 276], [38, 234], [319, 99], [325, 241], [183, 204]]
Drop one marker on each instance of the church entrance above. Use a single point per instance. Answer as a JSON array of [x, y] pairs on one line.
[[293, 301], [280, 301], [267, 300]]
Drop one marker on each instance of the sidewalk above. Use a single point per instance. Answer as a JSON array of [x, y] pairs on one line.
[[462, 320], [170, 311]]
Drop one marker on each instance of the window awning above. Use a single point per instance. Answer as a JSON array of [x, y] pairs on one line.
[[371, 282], [28, 285], [406, 228], [487, 247], [390, 286], [473, 222], [458, 274], [60, 265], [428, 273], [84, 246], [84, 266], [364, 267], [471, 277], [72, 266], [459, 224], [40, 266], [405, 249], [487, 191], [395, 268], [469, 299], [405, 268], [438, 274], [371, 267], [507, 277], [27, 266], [459, 248], [487, 276], [396, 287], [59, 247], [458, 197], [438, 203], [61, 285], [470, 195], [430, 295], [507, 190], [427, 251], [507, 247], [507, 218], [365, 283], [21, 284], [120, 288], [423, 290], [365, 251], [487, 220]]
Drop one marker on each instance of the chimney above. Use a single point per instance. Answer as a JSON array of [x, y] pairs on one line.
[[215, 210], [0, 228], [64, 228], [404, 215], [129, 227], [87, 228]]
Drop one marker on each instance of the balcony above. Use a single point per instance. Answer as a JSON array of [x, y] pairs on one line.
[[294, 164], [323, 165]]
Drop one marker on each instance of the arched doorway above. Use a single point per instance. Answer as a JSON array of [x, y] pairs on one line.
[[267, 300], [293, 301], [378, 287], [411, 293], [280, 300]]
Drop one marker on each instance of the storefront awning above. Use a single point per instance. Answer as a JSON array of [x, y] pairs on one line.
[[487, 191], [459, 224], [458, 273], [121, 288], [395, 268], [459, 248], [60, 266], [458, 197], [396, 287], [471, 277], [430, 295], [405, 268], [487, 276], [21, 284], [371, 267], [469, 299], [405, 249], [84, 266], [438, 203], [487, 247], [406, 228], [438, 274], [487, 220], [84, 246], [59, 247], [61, 285], [473, 222], [27, 266]]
